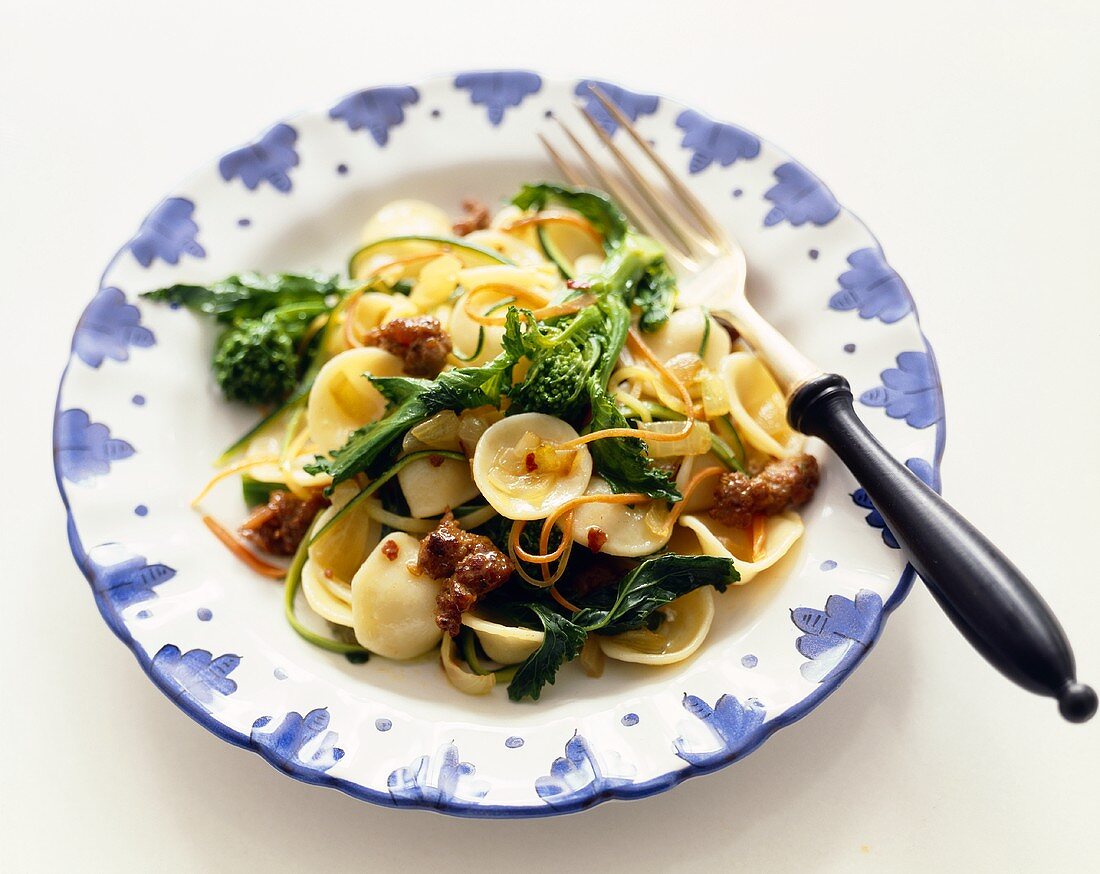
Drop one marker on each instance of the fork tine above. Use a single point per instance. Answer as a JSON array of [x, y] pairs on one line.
[[682, 191], [571, 175], [617, 190], [690, 241]]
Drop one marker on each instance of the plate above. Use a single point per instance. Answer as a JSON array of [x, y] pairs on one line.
[[139, 421]]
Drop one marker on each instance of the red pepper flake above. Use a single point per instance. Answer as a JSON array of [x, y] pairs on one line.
[[435, 460], [597, 537], [578, 284], [328, 573], [389, 550], [530, 463]]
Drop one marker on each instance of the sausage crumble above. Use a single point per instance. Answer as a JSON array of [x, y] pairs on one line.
[[476, 217], [469, 564], [420, 342], [786, 482], [279, 525]]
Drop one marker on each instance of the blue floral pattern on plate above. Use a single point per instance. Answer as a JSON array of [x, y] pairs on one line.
[[297, 743], [499, 90], [268, 159], [872, 288], [577, 774], [169, 232], [109, 328], [799, 197], [837, 635], [733, 727], [711, 141], [377, 110], [436, 780], [630, 103], [196, 673], [85, 449], [924, 472], [910, 391], [125, 579]]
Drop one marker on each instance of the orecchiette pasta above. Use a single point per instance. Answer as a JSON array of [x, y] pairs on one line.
[[342, 399], [393, 608], [621, 529], [781, 533], [683, 628], [757, 406], [521, 472]]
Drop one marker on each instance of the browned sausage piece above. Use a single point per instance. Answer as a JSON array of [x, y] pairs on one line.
[[420, 342], [786, 482], [280, 524], [470, 566], [475, 219]]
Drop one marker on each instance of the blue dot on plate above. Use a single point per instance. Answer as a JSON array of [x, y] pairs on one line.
[[143, 614], [828, 564], [436, 113], [205, 614], [813, 254], [737, 192], [750, 661], [514, 742], [244, 222], [138, 400], [141, 510], [341, 169], [383, 724], [280, 674], [629, 720], [849, 348]]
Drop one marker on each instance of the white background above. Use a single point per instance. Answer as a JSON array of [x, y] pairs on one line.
[[966, 135]]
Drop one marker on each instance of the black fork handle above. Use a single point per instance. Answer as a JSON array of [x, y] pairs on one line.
[[985, 595]]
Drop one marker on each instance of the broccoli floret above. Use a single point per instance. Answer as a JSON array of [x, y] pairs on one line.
[[256, 362], [555, 384]]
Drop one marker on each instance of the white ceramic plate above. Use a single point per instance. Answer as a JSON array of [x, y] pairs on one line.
[[139, 421]]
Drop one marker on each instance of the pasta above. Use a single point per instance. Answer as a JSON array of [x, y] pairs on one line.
[[522, 451]]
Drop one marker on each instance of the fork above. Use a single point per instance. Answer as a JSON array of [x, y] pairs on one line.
[[983, 593]]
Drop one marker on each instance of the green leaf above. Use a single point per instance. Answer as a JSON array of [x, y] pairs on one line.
[[651, 585], [623, 461], [655, 297], [256, 492], [416, 399], [562, 643], [248, 295], [595, 206]]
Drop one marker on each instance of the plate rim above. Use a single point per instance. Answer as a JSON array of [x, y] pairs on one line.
[[457, 807]]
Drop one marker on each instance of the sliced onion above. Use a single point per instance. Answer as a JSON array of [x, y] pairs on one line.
[[592, 657], [473, 423], [458, 673], [438, 432], [697, 441], [716, 398]]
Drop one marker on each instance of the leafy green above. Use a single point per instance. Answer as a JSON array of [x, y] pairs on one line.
[[630, 605], [414, 401], [595, 206], [256, 492], [652, 584], [248, 295], [257, 359], [622, 461], [562, 643], [655, 296]]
